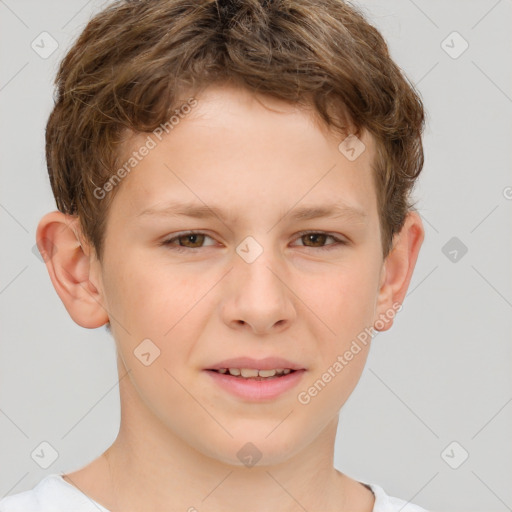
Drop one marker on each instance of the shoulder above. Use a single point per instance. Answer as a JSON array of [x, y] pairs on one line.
[[29, 501], [385, 503], [51, 493]]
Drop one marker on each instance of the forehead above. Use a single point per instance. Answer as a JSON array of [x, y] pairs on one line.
[[233, 144]]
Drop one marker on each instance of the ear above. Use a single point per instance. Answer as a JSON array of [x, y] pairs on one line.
[[73, 268], [397, 270]]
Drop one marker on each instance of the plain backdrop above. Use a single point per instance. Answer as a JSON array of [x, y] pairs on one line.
[[430, 420]]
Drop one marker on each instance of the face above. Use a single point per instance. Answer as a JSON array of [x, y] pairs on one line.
[[283, 272]]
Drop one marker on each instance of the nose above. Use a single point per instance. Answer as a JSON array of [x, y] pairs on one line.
[[258, 297]]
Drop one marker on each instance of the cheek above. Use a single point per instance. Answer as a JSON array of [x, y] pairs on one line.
[[149, 299], [329, 387], [344, 299]]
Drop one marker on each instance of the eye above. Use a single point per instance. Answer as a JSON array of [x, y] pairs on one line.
[[190, 240], [319, 237], [195, 239]]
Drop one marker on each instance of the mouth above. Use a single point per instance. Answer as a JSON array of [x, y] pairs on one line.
[[256, 380], [253, 373]]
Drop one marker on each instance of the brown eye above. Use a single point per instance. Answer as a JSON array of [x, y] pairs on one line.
[[319, 240], [195, 240], [188, 240], [315, 239]]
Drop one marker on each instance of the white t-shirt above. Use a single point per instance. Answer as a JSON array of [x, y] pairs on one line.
[[54, 494]]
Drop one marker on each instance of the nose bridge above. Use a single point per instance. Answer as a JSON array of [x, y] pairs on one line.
[[259, 296], [256, 265]]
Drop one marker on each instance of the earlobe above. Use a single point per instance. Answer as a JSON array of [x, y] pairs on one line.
[[67, 258], [397, 270]]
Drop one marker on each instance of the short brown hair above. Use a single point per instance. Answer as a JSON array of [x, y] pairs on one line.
[[128, 67]]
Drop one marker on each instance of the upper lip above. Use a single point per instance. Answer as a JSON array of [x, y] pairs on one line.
[[268, 363]]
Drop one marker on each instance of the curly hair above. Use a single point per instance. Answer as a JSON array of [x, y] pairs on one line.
[[130, 67]]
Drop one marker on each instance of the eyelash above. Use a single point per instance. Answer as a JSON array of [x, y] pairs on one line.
[[168, 243]]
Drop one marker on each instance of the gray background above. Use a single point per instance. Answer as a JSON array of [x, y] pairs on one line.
[[442, 373]]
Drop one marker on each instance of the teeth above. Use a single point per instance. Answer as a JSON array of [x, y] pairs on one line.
[[246, 372], [252, 372]]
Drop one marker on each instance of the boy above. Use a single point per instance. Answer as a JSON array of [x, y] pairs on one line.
[[233, 183]]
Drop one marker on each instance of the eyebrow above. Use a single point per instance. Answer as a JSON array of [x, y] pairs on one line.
[[197, 211]]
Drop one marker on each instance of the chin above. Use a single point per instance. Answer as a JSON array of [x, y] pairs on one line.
[[255, 450]]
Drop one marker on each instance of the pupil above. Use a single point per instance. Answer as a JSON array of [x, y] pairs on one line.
[[313, 236], [192, 239]]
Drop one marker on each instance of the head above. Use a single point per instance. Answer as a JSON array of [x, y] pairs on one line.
[[247, 114]]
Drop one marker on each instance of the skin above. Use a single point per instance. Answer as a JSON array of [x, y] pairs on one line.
[[301, 299]]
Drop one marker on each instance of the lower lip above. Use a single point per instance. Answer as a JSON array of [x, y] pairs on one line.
[[256, 390]]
